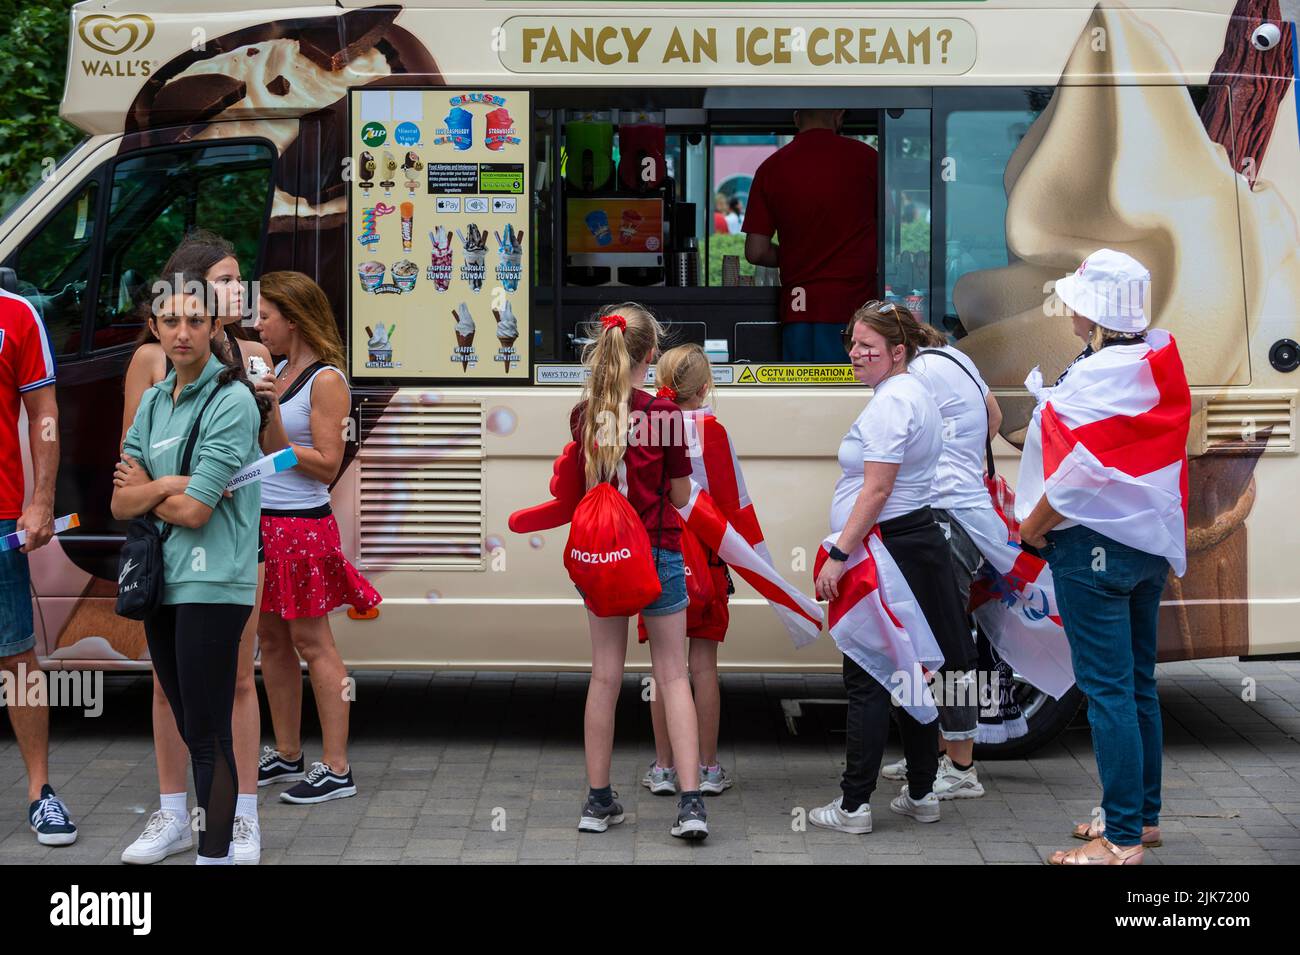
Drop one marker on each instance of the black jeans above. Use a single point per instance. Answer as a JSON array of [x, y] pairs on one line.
[[867, 729], [195, 651], [919, 548]]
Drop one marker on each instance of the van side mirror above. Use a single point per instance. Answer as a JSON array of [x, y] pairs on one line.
[[9, 280]]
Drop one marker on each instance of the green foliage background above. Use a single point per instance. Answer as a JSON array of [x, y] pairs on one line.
[[33, 61]]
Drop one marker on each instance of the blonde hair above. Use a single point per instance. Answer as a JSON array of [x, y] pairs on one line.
[[610, 358], [897, 326], [686, 370], [1098, 335], [303, 304]]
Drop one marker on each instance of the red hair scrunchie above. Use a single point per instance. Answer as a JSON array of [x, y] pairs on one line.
[[614, 321], [666, 392]]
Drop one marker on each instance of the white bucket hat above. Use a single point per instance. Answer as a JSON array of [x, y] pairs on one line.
[[1110, 288]]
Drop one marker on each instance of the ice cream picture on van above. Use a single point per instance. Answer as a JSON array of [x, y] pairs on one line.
[[507, 332], [464, 352], [380, 344]]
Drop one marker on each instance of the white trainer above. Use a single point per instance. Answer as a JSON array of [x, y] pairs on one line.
[[165, 834], [833, 816], [922, 810], [247, 840], [952, 783], [895, 771]]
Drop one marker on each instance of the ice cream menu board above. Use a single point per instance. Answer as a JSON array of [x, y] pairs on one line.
[[439, 239]]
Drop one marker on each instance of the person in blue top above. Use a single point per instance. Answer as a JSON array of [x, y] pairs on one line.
[[210, 554]]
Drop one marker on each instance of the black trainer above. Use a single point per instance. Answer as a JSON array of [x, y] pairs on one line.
[[692, 820], [598, 818], [274, 768], [321, 785], [49, 819]]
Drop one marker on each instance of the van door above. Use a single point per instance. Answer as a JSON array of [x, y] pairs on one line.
[[88, 268]]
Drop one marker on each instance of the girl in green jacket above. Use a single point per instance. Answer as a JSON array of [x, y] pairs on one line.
[[210, 553]]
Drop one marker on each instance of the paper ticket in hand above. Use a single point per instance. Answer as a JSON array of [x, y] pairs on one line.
[[19, 538], [264, 467], [1034, 383]]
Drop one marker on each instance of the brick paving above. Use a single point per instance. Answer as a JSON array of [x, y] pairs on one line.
[[488, 767]]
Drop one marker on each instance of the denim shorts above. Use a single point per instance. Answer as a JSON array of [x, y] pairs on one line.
[[672, 578], [17, 633]]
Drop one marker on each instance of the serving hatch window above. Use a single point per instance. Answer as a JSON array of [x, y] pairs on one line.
[[654, 201]]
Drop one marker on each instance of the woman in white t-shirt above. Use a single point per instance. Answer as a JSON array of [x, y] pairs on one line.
[[889, 459], [970, 416]]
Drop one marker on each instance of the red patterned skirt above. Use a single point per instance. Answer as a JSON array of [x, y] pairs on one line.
[[306, 572]]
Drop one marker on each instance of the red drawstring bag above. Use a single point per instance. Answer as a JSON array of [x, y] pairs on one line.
[[608, 555], [699, 576]]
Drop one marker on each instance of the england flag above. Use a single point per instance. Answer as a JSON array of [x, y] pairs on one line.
[[1014, 602], [877, 623], [1108, 447], [715, 467], [800, 614]]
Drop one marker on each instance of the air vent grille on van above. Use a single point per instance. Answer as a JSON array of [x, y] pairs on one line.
[[421, 488], [1231, 419]]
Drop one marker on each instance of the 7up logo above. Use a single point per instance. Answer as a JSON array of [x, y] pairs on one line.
[[373, 134]]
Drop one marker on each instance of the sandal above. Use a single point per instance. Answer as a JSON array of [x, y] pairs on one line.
[[1089, 831], [1100, 851]]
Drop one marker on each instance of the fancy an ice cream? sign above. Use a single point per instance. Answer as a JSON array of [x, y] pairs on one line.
[[891, 46]]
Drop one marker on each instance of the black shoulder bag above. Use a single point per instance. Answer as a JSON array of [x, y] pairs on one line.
[[140, 564], [988, 434]]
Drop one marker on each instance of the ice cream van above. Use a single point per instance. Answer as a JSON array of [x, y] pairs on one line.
[[469, 179]]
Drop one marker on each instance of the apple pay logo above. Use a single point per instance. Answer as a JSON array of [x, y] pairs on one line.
[[448, 204]]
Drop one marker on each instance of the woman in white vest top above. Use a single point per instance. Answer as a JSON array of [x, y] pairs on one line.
[[307, 575]]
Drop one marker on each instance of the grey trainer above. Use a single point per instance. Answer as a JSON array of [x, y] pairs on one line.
[[598, 818]]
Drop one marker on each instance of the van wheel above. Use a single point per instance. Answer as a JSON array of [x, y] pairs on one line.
[[1045, 716]]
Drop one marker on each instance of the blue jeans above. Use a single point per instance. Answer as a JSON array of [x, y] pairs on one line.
[[671, 567], [17, 633], [813, 343], [1109, 597]]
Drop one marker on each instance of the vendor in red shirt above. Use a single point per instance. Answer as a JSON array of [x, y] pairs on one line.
[[818, 193]]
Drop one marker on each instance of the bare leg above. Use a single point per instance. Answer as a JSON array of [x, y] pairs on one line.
[[31, 723], [314, 641], [959, 750], [703, 655], [246, 720], [282, 677], [658, 720], [608, 655], [668, 659]]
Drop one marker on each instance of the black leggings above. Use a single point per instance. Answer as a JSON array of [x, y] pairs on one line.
[[195, 651]]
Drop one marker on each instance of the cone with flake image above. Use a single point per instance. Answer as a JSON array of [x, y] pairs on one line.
[[465, 331]]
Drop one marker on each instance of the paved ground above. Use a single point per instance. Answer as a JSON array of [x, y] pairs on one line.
[[440, 758]]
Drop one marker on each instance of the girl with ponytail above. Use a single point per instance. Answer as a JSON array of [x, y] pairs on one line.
[[635, 441], [196, 632], [204, 270]]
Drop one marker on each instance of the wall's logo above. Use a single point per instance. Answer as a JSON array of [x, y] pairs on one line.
[[116, 35]]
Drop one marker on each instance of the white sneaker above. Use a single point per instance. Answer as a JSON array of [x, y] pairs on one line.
[[247, 840], [895, 771], [952, 783], [660, 781], [922, 810], [165, 834], [832, 816]]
